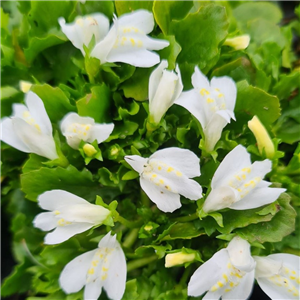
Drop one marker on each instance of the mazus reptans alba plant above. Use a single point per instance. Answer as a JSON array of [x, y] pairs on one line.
[[212, 103], [228, 274], [165, 175], [68, 215], [238, 184], [126, 41], [29, 128], [104, 267]]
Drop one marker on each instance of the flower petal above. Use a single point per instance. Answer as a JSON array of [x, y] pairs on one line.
[[293, 261], [37, 142], [92, 290], [45, 221], [136, 162], [140, 19], [199, 80], [63, 233], [236, 159], [182, 160], [18, 110], [208, 274], [73, 277], [55, 199], [243, 290], [220, 198], [72, 118], [38, 112], [258, 197], [100, 132], [155, 78], [166, 201], [10, 137], [227, 87], [115, 283]]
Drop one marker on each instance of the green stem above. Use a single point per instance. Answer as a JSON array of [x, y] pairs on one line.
[[187, 218], [131, 238], [185, 276], [137, 263], [129, 224], [145, 199]]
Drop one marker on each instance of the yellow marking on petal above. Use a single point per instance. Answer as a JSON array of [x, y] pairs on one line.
[[220, 95], [292, 277], [298, 280], [293, 272], [248, 170], [154, 175], [178, 173], [140, 43], [167, 187], [124, 39], [56, 212], [220, 284], [214, 288], [79, 22], [231, 284], [91, 271], [216, 89], [104, 269], [227, 290], [210, 100], [244, 176], [95, 262], [204, 91], [132, 41], [229, 265], [159, 168], [225, 277], [161, 181], [170, 169], [104, 276]]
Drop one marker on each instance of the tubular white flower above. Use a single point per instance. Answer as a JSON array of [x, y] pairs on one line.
[[164, 88], [228, 274], [278, 275], [103, 267], [238, 184], [127, 41], [81, 31], [29, 128], [164, 176], [212, 103], [68, 214], [178, 258], [77, 129]]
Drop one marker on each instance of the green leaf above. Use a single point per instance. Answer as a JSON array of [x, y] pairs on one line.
[[253, 101], [137, 86], [56, 102], [96, 104], [105, 7], [130, 175], [123, 7], [281, 225], [166, 11], [287, 84], [200, 34], [69, 179]]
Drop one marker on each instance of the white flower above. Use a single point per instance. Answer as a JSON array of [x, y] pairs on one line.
[[68, 214], [212, 103], [264, 142], [77, 129], [81, 31], [228, 274], [238, 184], [126, 41], [29, 129], [164, 88], [238, 42], [278, 275], [165, 175], [103, 267]]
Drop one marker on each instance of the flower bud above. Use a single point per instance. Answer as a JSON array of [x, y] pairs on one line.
[[25, 86], [239, 42], [179, 258], [89, 150], [263, 139]]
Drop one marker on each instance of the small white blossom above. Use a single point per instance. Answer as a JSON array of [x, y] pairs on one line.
[[126, 41], [228, 274], [165, 175], [29, 128], [238, 184], [103, 267], [212, 103], [68, 215], [278, 275], [164, 88], [77, 129]]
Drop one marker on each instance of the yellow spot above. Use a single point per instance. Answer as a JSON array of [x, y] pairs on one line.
[[167, 187], [216, 89], [159, 168], [178, 173], [229, 265], [231, 284], [227, 290], [154, 175], [91, 271], [204, 91], [104, 276], [292, 277], [238, 178], [132, 41], [79, 22], [209, 100], [104, 269], [220, 95], [161, 181], [244, 176], [248, 170], [220, 284], [170, 169], [95, 262], [56, 212], [124, 39], [293, 272], [214, 288], [225, 277], [37, 127]]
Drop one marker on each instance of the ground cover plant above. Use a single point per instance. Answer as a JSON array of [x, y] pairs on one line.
[[150, 150]]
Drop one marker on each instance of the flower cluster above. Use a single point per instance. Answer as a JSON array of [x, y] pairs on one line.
[[169, 176]]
